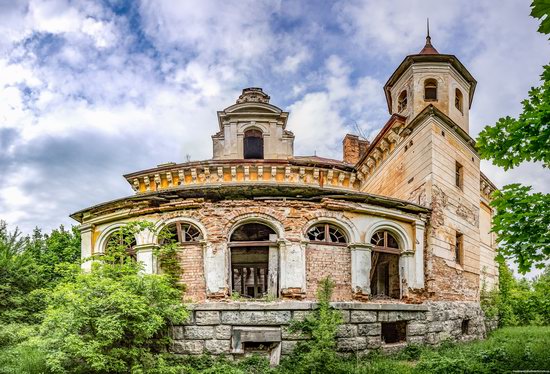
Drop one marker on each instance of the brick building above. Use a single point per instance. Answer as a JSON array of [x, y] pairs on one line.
[[401, 224]]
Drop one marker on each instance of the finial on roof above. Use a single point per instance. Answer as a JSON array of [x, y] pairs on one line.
[[253, 95], [428, 48]]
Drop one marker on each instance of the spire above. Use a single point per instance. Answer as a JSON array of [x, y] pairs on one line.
[[428, 48]]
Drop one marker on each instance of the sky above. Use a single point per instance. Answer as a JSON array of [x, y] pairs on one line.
[[91, 90]]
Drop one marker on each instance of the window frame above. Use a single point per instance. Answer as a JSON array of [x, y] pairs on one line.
[[385, 248], [459, 175], [402, 101], [181, 234], [459, 100], [327, 226], [430, 83], [459, 248], [257, 134]]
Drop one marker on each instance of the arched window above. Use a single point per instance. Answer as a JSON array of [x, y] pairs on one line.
[[326, 233], [402, 101], [430, 89], [180, 232], [120, 244], [385, 242], [249, 245], [459, 100], [253, 145], [384, 272]]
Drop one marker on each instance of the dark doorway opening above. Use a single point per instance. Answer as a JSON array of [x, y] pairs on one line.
[[394, 332], [465, 326], [249, 269]]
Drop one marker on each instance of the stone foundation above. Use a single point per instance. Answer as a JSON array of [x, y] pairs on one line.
[[237, 328]]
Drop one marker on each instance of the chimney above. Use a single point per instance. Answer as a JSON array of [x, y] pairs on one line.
[[354, 148]]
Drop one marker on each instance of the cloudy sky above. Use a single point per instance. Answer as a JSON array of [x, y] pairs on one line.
[[90, 90]]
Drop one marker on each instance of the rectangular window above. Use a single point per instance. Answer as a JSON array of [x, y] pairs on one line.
[[459, 175], [459, 247]]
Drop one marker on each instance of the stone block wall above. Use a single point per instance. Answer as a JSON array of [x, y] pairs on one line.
[[211, 327]]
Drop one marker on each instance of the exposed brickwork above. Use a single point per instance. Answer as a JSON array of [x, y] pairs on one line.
[[191, 257], [331, 261], [353, 148]]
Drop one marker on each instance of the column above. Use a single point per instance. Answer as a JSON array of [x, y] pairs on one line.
[[293, 267], [86, 249], [216, 269], [360, 268], [145, 255], [418, 281]]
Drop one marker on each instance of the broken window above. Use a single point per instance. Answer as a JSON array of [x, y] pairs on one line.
[[459, 99], [430, 89], [253, 144], [459, 175], [394, 332], [326, 233], [458, 247], [384, 272], [402, 101], [250, 259], [180, 232], [120, 244]]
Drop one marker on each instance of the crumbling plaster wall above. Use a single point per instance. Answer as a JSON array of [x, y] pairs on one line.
[[206, 264], [422, 170]]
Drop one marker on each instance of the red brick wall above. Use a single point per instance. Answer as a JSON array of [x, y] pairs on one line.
[[191, 257], [332, 261]]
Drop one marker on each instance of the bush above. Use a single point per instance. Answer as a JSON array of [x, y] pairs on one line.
[[110, 320]]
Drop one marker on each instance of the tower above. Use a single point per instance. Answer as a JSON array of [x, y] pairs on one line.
[[430, 77]]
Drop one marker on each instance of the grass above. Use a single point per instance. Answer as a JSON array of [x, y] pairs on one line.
[[507, 349]]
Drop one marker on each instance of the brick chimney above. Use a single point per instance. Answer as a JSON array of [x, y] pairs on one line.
[[354, 148]]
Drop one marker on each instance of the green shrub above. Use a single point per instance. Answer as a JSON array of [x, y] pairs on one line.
[[318, 354], [110, 320]]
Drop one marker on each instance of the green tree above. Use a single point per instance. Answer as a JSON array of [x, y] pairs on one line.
[[112, 319], [522, 219], [19, 276]]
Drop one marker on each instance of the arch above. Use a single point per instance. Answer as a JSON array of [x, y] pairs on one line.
[[402, 101], [349, 229], [105, 235], [253, 144], [459, 100], [405, 243], [153, 237], [265, 219], [430, 89], [252, 231]]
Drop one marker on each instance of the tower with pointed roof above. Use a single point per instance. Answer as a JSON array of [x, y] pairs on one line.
[[431, 78]]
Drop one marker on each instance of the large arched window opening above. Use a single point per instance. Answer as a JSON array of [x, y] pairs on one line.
[[253, 144], [180, 232], [325, 233], [459, 100], [384, 272], [120, 245], [249, 245], [402, 101], [430, 89]]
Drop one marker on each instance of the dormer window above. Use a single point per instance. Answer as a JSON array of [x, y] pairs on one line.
[[430, 89], [253, 144], [459, 100], [402, 101]]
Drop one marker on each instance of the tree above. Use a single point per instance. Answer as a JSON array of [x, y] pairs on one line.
[[113, 319], [522, 219]]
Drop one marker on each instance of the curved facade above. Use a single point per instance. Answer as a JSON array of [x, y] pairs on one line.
[[401, 224]]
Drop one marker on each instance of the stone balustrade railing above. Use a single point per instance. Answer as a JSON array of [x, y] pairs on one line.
[[242, 171]]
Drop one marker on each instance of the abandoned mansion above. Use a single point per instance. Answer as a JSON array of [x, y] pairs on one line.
[[401, 224]]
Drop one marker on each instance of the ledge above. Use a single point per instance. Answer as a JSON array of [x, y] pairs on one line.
[[303, 305]]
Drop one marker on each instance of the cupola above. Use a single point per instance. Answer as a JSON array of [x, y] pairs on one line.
[[431, 78]]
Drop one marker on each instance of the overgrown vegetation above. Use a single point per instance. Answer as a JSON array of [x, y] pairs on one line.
[[522, 218], [57, 319]]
